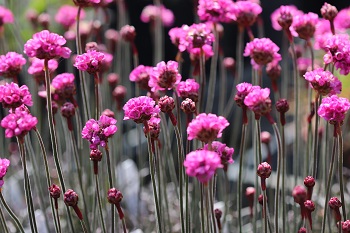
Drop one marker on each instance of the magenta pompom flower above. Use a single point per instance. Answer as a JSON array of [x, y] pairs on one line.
[[37, 68], [258, 100], [324, 82], [247, 12], [67, 15], [216, 11], [151, 12], [141, 76], [46, 45], [223, 151], [304, 26], [282, 17], [195, 37], [164, 76], [140, 109], [11, 64], [90, 61], [262, 51], [202, 164], [188, 89], [98, 132], [13, 96], [63, 85], [243, 89], [175, 34], [206, 127], [342, 20], [6, 16], [338, 51], [18, 123], [4, 164], [333, 109]]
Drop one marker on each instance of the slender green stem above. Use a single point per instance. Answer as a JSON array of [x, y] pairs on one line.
[[265, 211], [226, 198], [97, 95], [110, 181], [10, 212], [99, 203], [240, 173], [315, 150], [283, 179], [279, 155], [211, 194], [154, 186], [159, 183], [340, 167], [202, 80], [58, 221], [83, 225], [258, 138], [329, 180], [202, 209], [124, 226], [3, 221]]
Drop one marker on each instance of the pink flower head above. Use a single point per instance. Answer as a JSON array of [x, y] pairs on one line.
[[6, 16], [140, 109], [243, 89], [202, 164], [90, 61], [164, 76], [247, 12], [176, 34], [153, 126], [98, 132], [284, 16], [106, 63], [188, 89], [141, 76], [13, 96], [195, 37], [18, 123], [324, 82], [258, 100], [67, 15], [333, 109], [196, 54], [304, 26], [46, 45], [262, 51], [216, 11], [206, 127], [37, 68], [223, 151], [151, 12], [85, 3], [11, 64], [338, 51], [64, 85], [4, 164], [128, 33], [342, 20]]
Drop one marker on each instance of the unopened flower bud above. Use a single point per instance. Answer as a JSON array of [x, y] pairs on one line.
[[265, 137], [119, 94], [302, 230], [71, 198], [299, 194], [264, 171], [113, 79], [229, 64], [55, 191], [188, 106], [44, 20], [346, 226], [328, 11], [114, 196], [68, 110], [128, 33], [108, 112], [91, 46], [166, 104], [261, 199]]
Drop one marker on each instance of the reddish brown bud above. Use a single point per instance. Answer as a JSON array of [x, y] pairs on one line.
[[128, 33], [188, 106], [166, 104], [346, 226], [328, 11], [55, 191]]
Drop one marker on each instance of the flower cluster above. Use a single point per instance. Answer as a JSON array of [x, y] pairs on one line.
[[188, 89], [46, 45], [324, 82], [13, 96], [258, 100], [11, 64], [216, 11], [141, 76], [6, 16], [37, 68], [67, 15], [342, 19], [151, 12], [140, 109], [338, 52], [206, 127], [4, 164], [98, 132], [202, 164], [90, 61], [223, 151], [243, 89], [282, 17], [164, 76], [63, 85], [333, 109], [247, 12], [304, 26]]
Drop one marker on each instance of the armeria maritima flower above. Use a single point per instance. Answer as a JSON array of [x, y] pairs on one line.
[[282, 17], [98, 132], [324, 82], [11, 64], [262, 51], [13, 96], [18, 123], [165, 76], [202, 164], [342, 20], [37, 68], [91, 61], [304, 25], [338, 52], [188, 89], [6, 16], [246, 12], [216, 11], [64, 85], [333, 109], [223, 151], [151, 12], [67, 15], [4, 164], [140, 109], [206, 127], [46, 45], [141, 76], [258, 100], [243, 89]]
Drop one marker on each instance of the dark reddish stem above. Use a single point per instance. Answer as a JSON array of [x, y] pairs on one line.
[[78, 212], [120, 211]]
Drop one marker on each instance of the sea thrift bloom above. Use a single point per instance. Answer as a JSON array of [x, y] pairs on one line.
[[264, 171], [335, 204], [195, 37], [328, 11], [85, 3], [342, 19], [282, 17], [90, 61], [333, 109], [175, 35], [216, 11], [67, 15], [202, 164], [223, 151], [153, 126], [141, 76], [98, 132], [304, 26], [206, 127], [6, 16], [128, 33], [164, 76], [64, 86], [243, 89], [188, 89], [71, 199], [338, 51], [140, 109], [246, 13], [13, 96], [114, 196], [11, 64], [46, 45], [4, 164], [18, 123], [324, 82], [37, 68], [262, 51], [258, 100], [151, 12]]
